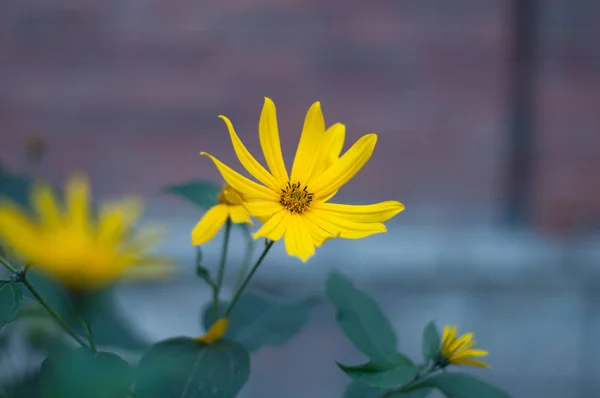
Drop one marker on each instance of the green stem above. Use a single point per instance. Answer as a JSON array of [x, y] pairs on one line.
[[268, 246], [88, 332], [221, 271], [406, 388], [8, 266], [245, 264], [51, 311]]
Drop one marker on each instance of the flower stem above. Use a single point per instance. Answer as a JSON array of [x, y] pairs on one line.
[[405, 388], [268, 246], [51, 311], [245, 264], [221, 271], [8, 265], [88, 332]]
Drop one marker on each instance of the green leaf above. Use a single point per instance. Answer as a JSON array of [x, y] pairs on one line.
[[258, 320], [431, 341], [14, 187], [376, 375], [461, 385], [11, 296], [186, 368], [202, 193], [361, 319], [358, 389], [24, 386], [79, 372]]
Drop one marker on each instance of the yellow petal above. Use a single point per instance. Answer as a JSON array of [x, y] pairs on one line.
[[116, 218], [232, 196], [346, 167], [241, 183], [470, 353], [330, 150], [311, 139], [374, 213], [318, 234], [248, 161], [216, 331], [268, 132], [18, 232], [239, 215], [462, 340], [146, 238], [45, 205], [78, 202], [471, 362], [347, 229], [449, 337], [275, 226], [262, 208], [298, 238], [210, 224]]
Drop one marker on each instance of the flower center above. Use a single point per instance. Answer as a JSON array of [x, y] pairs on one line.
[[295, 199]]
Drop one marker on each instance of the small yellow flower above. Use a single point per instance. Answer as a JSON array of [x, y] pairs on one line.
[[459, 351], [216, 331], [295, 207], [229, 206], [81, 251]]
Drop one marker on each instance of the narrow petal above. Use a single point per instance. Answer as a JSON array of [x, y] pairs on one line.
[[298, 238], [312, 137], [239, 215], [241, 183], [216, 331], [471, 362], [45, 205], [210, 224], [374, 213], [262, 208], [470, 353], [117, 218], [462, 340], [318, 234], [248, 161], [78, 202], [268, 133], [146, 238], [275, 226], [330, 150], [347, 229], [346, 167], [18, 232]]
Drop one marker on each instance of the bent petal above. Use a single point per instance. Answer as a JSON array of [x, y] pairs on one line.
[[241, 183], [330, 150], [210, 224], [268, 133], [239, 215], [346, 167], [298, 238], [347, 229], [247, 160], [375, 213], [311, 139], [275, 226]]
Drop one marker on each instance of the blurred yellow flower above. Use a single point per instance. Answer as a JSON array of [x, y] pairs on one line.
[[459, 351], [296, 207], [216, 331], [81, 251], [229, 206]]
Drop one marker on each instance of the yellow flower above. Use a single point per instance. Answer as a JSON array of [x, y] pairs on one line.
[[295, 207], [459, 351], [81, 251], [216, 331], [229, 206]]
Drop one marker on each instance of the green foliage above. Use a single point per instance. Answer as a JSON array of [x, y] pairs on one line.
[[258, 320], [186, 368], [203, 272], [460, 385], [383, 376], [358, 389], [11, 296], [362, 320], [79, 372], [14, 187], [431, 341]]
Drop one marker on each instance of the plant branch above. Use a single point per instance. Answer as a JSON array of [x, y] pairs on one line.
[[221, 271]]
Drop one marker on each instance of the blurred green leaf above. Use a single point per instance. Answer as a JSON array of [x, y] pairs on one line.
[[386, 377], [357, 389], [14, 186], [258, 320], [77, 373], [11, 297], [461, 385], [431, 341], [26, 386], [186, 368], [202, 193], [362, 320]]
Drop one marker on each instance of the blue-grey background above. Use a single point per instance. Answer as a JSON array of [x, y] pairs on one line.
[[488, 123]]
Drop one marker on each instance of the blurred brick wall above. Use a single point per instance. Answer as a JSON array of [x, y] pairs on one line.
[[130, 90]]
